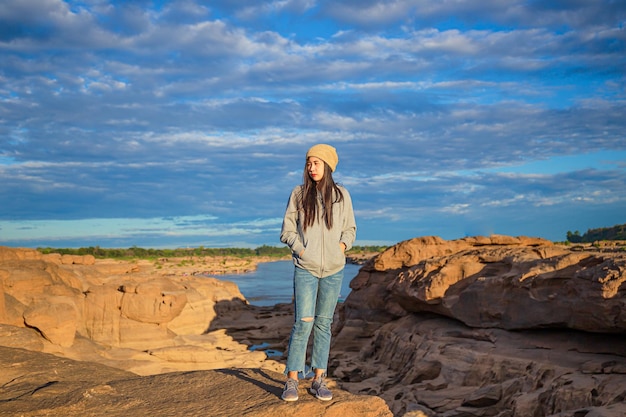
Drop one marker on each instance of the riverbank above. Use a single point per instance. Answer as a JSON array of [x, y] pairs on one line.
[[208, 265], [191, 265]]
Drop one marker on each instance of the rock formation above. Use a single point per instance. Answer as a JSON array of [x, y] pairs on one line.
[[154, 324], [120, 307], [38, 384], [481, 326], [487, 326]]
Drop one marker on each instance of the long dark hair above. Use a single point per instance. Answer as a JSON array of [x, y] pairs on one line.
[[329, 191]]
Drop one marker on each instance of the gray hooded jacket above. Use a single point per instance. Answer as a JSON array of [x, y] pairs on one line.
[[322, 254]]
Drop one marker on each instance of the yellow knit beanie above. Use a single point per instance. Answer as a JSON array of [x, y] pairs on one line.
[[326, 153]]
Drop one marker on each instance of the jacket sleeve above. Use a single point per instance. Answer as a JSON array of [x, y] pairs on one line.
[[289, 233], [348, 231]]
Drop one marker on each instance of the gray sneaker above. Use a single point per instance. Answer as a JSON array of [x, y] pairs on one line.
[[320, 390], [290, 393]]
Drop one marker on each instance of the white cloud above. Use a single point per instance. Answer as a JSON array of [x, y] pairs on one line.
[[131, 110]]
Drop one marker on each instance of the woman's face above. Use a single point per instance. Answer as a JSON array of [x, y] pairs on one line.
[[315, 168]]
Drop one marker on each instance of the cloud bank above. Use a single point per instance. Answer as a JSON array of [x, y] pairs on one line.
[[450, 118]]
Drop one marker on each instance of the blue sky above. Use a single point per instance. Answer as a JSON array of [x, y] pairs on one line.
[[185, 123]]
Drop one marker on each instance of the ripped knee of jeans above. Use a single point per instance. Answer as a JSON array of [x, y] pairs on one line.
[[307, 319]]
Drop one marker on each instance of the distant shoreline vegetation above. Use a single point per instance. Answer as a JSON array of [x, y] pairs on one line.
[[135, 252], [617, 232], [614, 233]]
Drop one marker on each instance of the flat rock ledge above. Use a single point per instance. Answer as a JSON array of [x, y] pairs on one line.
[[39, 384]]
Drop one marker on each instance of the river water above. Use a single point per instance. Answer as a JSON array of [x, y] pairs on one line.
[[272, 282]]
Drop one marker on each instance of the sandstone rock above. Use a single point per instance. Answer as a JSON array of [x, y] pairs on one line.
[[14, 312], [115, 269], [3, 308], [254, 326], [203, 294], [195, 316], [155, 301], [55, 258], [213, 356], [107, 323], [21, 337], [192, 354], [18, 254], [66, 299], [392, 339], [101, 314], [36, 384], [426, 327], [484, 397], [512, 284], [411, 252], [141, 336], [55, 318], [78, 260], [448, 367], [215, 289], [25, 280], [70, 277]]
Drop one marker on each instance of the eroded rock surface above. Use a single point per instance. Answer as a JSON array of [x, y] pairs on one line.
[[482, 326], [121, 314], [36, 384], [131, 340], [487, 326]]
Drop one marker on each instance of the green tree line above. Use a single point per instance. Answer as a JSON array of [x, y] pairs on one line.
[[135, 252], [617, 232]]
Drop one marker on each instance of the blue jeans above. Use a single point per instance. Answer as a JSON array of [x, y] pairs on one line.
[[315, 299]]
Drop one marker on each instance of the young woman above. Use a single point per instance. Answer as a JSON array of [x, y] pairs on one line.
[[319, 227]]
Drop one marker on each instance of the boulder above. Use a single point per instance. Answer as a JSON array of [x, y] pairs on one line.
[[411, 252], [25, 280], [55, 318], [486, 326], [508, 283], [71, 277], [112, 303], [155, 301], [195, 316], [101, 314]]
